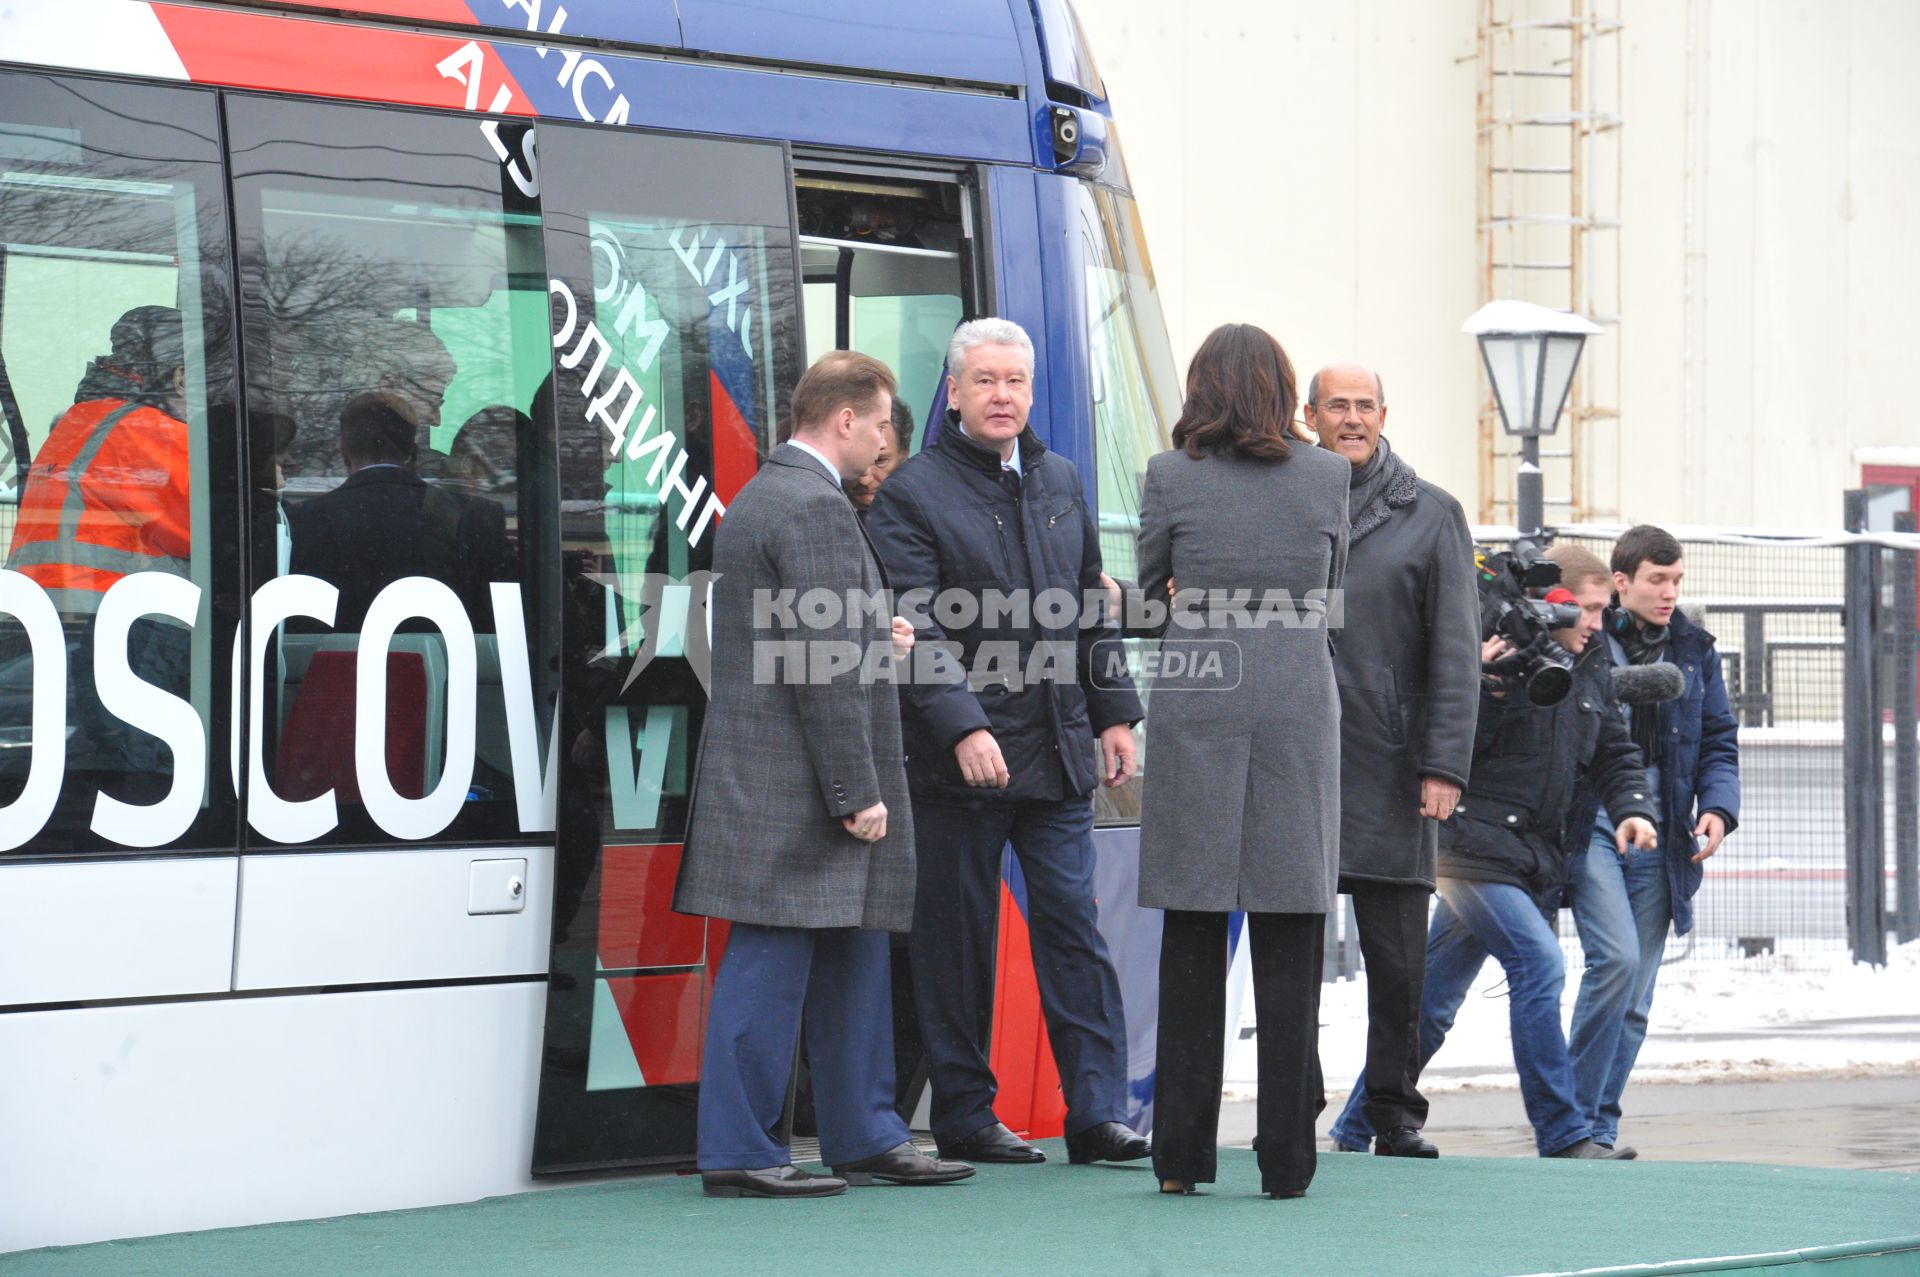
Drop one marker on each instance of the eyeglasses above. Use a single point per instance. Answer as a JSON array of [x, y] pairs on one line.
[[1338, 407]]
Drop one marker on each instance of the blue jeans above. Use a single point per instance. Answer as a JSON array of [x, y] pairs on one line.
[[1622, 907], [1472, 921]]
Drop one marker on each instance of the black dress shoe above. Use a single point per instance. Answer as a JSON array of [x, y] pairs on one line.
[[772, 1181], [992, 1143], [1107, 1142], [1404, 1141], [1588, 1151], [902, 1164]]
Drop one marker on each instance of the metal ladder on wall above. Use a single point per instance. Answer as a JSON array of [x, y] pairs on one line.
[[1549, 229]]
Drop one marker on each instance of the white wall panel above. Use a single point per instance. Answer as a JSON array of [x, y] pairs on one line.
[[1311, 168], [367, 917], [127, 1121], [115, 929]]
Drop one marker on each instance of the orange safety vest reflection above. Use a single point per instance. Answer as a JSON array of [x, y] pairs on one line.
[[107, 496]]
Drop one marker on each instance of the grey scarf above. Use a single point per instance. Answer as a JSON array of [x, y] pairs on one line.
[[1377, 489]]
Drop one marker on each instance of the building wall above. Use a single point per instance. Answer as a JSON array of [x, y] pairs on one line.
[[1312, 169]]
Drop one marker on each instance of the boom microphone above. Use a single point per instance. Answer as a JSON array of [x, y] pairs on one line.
[[1648, 684]]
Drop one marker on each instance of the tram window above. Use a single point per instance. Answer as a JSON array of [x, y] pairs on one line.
[[116, 399], [1136, 400], [394, 319], [882, 270]]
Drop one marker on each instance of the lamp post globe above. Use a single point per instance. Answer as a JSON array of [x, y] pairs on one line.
[[1530, 353]]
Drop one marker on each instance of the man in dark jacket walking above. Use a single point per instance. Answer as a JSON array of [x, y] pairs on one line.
[[982, 533], [1623, 904], [1502, 869], [1408, 662]]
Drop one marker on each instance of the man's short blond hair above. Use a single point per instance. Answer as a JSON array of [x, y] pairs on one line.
[[1579, 565], [839, 379]]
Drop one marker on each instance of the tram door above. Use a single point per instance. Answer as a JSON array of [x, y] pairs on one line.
[[675, 322]]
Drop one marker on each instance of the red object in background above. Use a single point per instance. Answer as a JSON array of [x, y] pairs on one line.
[[736, 453], [1907, 477], [638, 927], [665, 1020], [1030, 1101], [294, 55], [665, 1015], [316, 745]]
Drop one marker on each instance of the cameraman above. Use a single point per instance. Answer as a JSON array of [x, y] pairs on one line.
[[1501, 864]]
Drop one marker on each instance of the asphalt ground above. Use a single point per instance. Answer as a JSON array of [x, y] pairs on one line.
[[1847, 1122]]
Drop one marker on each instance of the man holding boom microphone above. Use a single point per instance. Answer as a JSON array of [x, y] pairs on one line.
[[1548, 721], [1623, 904]]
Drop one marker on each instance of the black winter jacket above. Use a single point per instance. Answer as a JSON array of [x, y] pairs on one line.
[[1527, 761], [950, 519]]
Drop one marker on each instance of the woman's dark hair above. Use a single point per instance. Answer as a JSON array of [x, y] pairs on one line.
[[1240, 396]]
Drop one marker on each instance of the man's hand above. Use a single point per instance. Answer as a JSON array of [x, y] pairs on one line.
[[1116, 748], [869, 825], [902, 638], [1638, 832], [1438, 797], [981, 764], [1112, 587], [1713, 829], [1495, 650]]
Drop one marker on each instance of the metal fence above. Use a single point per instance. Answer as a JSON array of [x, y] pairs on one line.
[[1801, 879]]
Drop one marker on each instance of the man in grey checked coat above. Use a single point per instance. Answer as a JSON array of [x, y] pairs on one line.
[[800, 832]]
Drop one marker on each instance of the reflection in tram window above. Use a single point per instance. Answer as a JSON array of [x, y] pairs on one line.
[[394, 307], [384, 522], [113, 365]]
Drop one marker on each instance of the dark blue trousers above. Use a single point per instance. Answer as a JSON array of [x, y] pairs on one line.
[[955, 916], [772, 979]]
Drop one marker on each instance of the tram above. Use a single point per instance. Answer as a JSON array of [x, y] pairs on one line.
[[317, 900]]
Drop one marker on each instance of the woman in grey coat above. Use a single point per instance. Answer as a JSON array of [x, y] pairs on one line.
[[1241, 809]]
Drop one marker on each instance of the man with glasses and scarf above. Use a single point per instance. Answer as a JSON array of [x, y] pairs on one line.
[[1408, 663]]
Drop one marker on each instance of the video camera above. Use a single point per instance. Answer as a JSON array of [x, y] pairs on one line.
[[1540, 666]]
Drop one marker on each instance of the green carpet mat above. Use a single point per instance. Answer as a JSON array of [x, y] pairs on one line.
[[1364, 1215]]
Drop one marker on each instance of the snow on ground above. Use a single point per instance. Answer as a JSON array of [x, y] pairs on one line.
[[1778, 1015]]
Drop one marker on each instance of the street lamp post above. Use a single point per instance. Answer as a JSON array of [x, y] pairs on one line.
[[1530, 352]]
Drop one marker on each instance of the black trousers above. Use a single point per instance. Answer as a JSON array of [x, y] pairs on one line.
[[1393, 943], [1190, 1054]]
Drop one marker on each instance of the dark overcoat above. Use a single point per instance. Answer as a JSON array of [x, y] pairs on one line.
[[786, 751], [1241, 800], [1408, 661]]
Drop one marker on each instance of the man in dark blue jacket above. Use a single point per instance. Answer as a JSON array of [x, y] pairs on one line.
[[991, 551], [1623, 904]]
